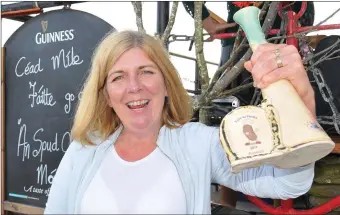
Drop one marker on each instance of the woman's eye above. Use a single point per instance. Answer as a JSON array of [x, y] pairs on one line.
[[116, 78], [148, 72]]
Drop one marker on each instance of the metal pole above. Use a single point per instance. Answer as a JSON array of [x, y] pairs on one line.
[[163, 12], [197, 79], [291, 29]]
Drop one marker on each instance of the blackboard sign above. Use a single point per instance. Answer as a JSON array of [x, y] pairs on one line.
[[46, 63]]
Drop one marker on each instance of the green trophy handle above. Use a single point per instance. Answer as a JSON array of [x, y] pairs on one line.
[[248, 19]]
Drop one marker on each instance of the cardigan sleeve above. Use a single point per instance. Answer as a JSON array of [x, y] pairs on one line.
[[265, 181], [57, 202]]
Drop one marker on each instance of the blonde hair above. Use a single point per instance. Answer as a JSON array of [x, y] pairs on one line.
[[93, 112]]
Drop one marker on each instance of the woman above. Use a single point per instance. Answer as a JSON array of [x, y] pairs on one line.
[[134, 149]]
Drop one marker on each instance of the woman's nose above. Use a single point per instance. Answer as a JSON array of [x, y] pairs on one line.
[[134, 84]]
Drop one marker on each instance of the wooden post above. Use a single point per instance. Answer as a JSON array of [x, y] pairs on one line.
[[22, 209], [2, 156]]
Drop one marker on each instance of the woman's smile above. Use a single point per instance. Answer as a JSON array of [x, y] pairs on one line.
[[139, 104]]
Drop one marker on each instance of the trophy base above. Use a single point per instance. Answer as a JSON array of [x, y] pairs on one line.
[[298, 156], [305, 154], [253, 162]]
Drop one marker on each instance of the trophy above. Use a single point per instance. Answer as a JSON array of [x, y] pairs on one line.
[[281, 131]]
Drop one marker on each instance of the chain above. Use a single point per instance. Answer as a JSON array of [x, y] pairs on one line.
[[188, 80], [174, 37], [328, 97]]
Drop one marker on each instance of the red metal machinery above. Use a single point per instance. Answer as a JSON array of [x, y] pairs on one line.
[[292, 28]]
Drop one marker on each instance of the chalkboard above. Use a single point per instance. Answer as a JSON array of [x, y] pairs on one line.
[[47, 60]]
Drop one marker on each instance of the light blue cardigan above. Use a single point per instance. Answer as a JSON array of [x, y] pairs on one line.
[[196, 151]]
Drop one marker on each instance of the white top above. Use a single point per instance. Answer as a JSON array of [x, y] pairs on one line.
[[148, 186], [196, 151]]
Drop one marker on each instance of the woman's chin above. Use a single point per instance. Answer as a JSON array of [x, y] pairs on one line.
[[140, 124]]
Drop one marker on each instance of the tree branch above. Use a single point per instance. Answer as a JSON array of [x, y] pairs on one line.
[[327, 57], [264, 9], [237, 48], [203, 70], [322, 52], [235, 90], [226, 66], [137, 6], [225, 80], [171, 22]]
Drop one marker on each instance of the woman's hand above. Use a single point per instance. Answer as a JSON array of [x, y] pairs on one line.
[[213, 27], [265, 70]]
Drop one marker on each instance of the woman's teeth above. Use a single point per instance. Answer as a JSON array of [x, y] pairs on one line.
[[138, 104]]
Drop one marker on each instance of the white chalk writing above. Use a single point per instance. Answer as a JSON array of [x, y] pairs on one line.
[[40, 146], [29, 68], [43, 177], [69, 59], [23, 145], [32, 189], [64, 142], [50, 146], [42, 97], [69, 98]]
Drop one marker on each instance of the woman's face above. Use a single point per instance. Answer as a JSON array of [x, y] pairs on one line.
[[136, 90]]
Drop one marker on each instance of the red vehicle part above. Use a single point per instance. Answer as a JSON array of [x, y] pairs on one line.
[[292, 28], [287, 207], [276, 31]]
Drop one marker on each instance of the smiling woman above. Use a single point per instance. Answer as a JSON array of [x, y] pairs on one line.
[[134, 149], [123, 75]]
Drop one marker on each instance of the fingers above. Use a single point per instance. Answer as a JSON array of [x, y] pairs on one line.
[[294, 73], [268, 48], [267, 62], [223, 26], [271, 77], [266, 69], [229, 25], [210, 39], [263, 67], [248, 66]]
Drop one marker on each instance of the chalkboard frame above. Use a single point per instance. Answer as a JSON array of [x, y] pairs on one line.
[[7, 206], [2, 129]]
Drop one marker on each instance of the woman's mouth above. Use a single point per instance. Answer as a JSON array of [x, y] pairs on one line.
[[138, 104]]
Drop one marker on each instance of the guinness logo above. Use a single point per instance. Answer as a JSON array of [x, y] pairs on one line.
[[44, 25]]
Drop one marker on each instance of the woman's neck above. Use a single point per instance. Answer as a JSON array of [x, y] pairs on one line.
[[132, 146], [133, 138]]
